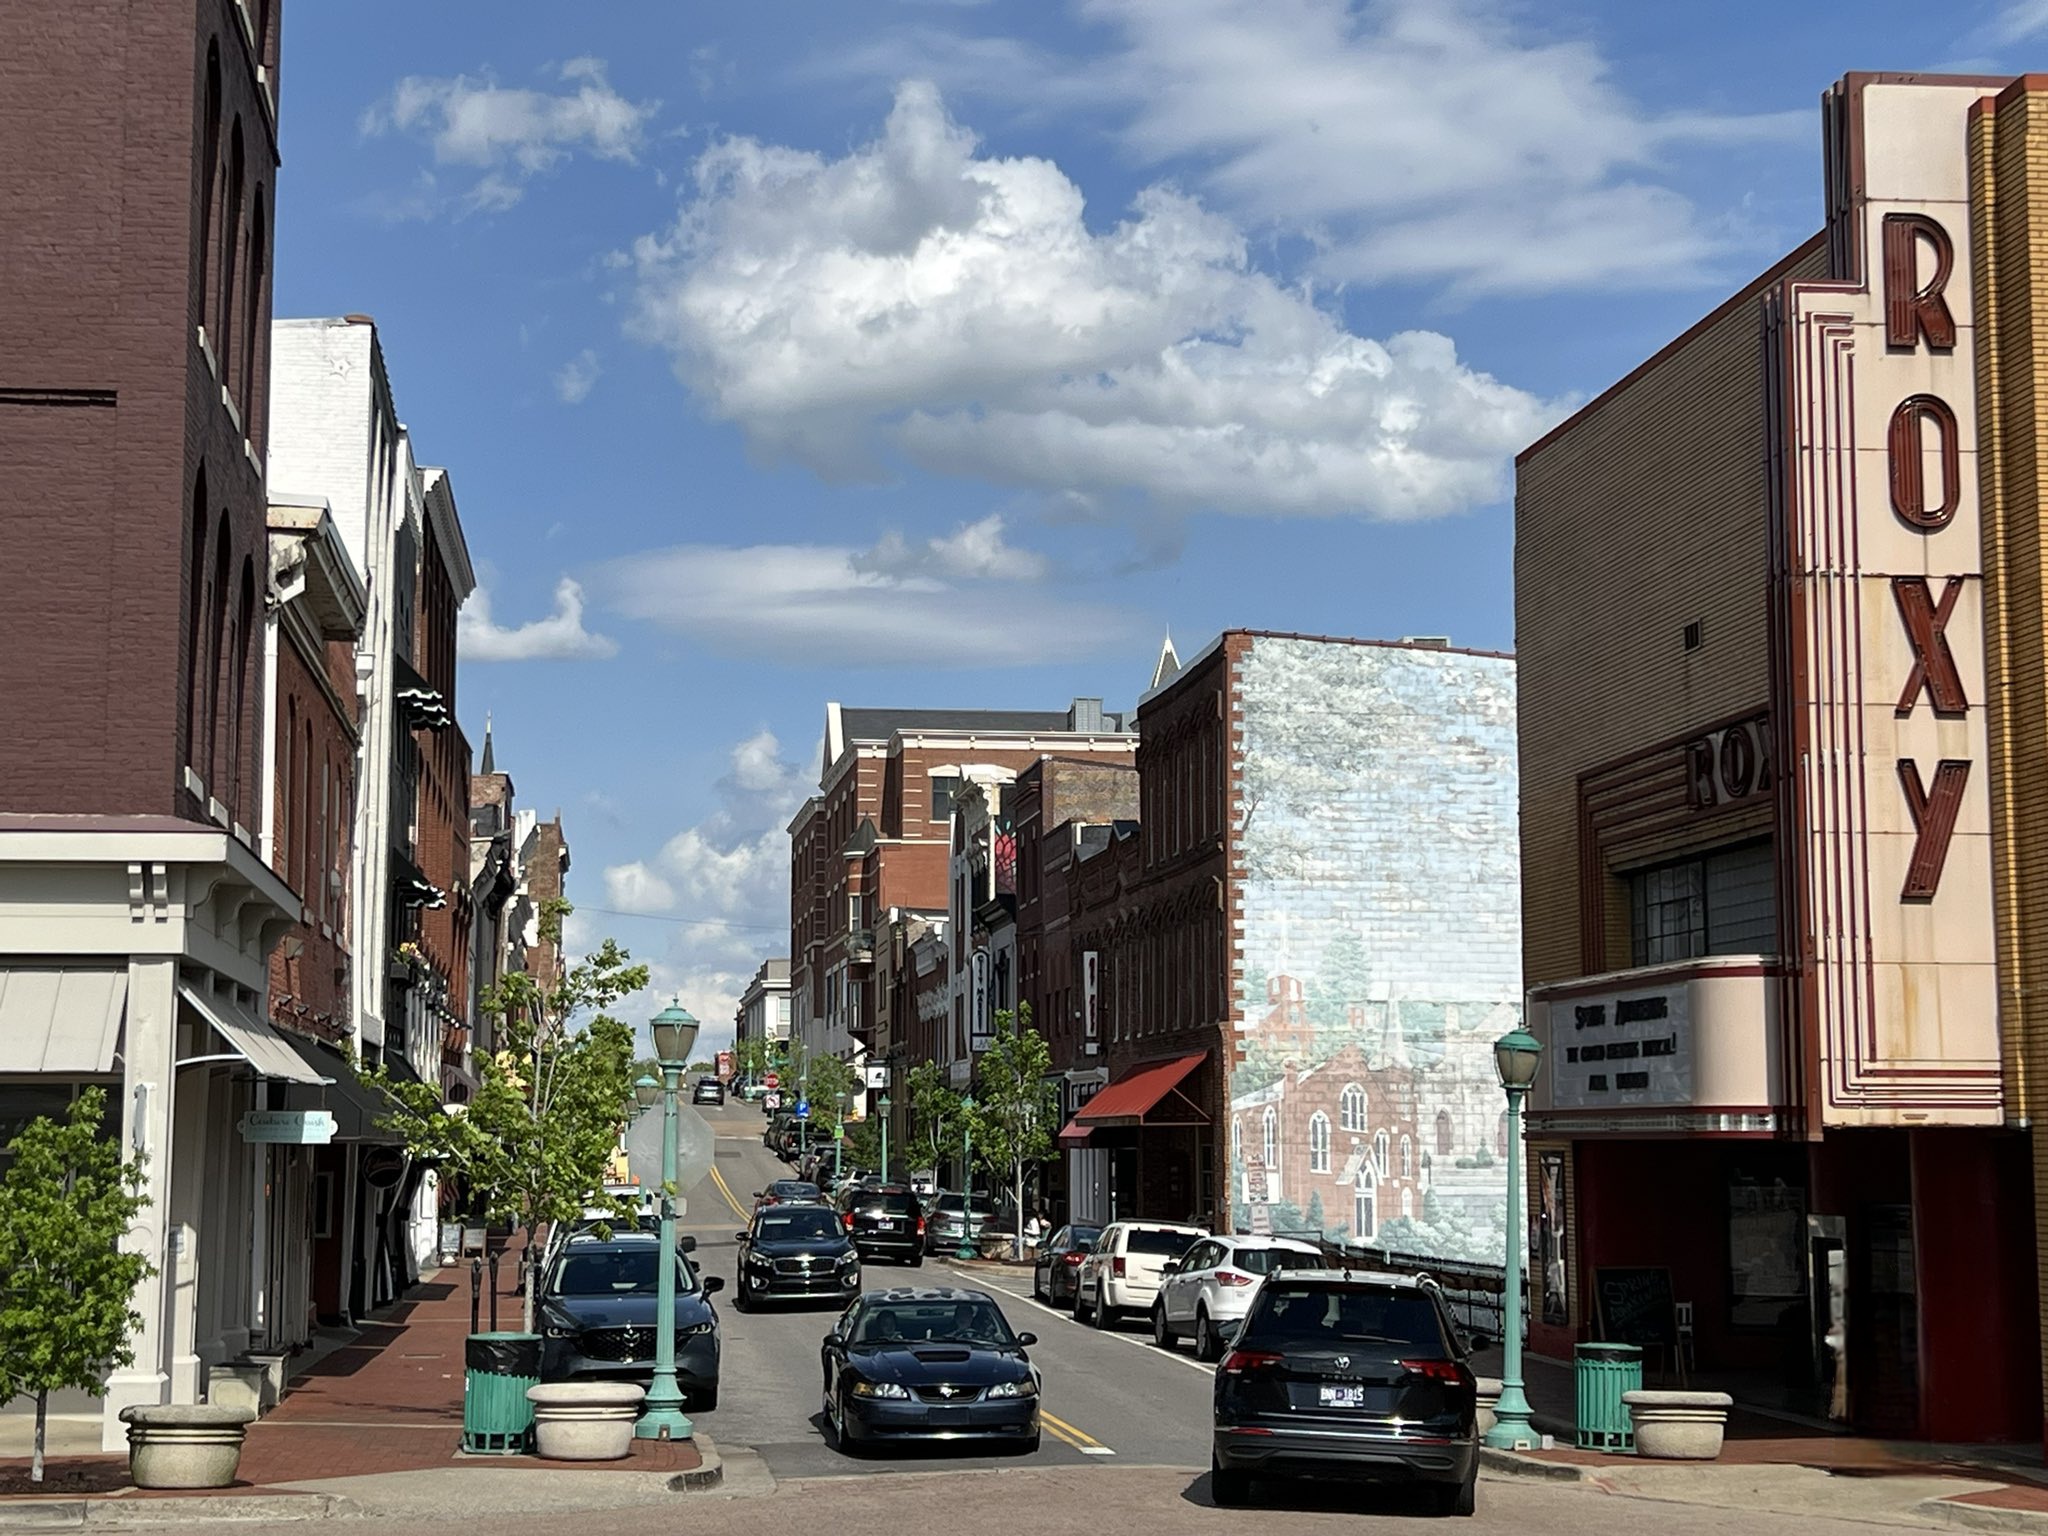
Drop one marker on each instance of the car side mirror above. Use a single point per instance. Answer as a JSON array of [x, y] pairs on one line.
[[713, 1284], [835, 1341], [1170, 1267], [685, 1244], [1026, 1340], [739, 1237]]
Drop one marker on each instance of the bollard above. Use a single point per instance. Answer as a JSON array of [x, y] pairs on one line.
[[494, 1293], [476, 1291]]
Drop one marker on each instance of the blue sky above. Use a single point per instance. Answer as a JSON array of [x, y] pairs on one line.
[[921, 352]]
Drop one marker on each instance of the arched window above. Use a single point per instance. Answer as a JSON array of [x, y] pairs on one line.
[[230, 250], [195, 632], [1379, 1154], [287, 851], [238, 689], [1269, 1137], [310, 852], [1236, 1139], [1365, 1216], [216, 659], [252, 326], [1443, 1133], [1407, 1158], [209, 176], [1351, 1107], [1319, 1143], [1408, 1203], [1500, 1134]]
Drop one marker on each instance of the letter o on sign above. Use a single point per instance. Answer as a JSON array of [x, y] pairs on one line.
[[1738, 761], [1906, 452]]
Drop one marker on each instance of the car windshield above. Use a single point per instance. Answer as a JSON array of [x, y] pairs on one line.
[[798, 1221], [956, 1203], [631, 1271], [1311, 1315], [1160, 1240], [793, 1189], [934, 1322], [1263, 1261], [890, 1203]]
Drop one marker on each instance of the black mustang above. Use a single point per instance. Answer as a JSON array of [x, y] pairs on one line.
[[929, 1363]]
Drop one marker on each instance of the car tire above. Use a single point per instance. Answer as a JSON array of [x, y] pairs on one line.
[[706, 1400], [1080, 1308], [1105, 1314], [1229, 1488], [1208, 1342], [741, 1300], [1459, 1499], [1037, 1289], [1028, 1447], [916, 1260], [1162, 1331]]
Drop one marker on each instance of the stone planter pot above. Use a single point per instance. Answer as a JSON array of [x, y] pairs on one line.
[[1489, 1399], [584, 1420], [184, 1445], [1678, 1426]]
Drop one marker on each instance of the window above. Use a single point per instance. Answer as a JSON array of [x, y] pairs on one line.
[[230, 248], [1407, 1158], [1721, 903], [944, 787], [209, 172], [1379, 1154], [1365, 1220], [252, 327], [1351, 1105], [1319, 1143], [195, 632], [1269, 1135], [1443, 1133], [216, 660], [1408, 1203]]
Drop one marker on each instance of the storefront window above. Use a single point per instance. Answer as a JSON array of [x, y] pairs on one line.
[[22, 1102], [1721, 903]]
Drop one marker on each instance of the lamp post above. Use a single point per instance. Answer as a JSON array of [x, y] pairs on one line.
[[1516, 1056], [966, 1250], [661, 1418], [838, 1135], [883, 1106]]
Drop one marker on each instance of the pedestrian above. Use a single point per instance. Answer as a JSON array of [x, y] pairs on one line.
[[1034, 1231]]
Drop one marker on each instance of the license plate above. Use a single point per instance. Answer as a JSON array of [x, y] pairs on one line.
[[886, 1226], [949, 1418], [1342, 1397]]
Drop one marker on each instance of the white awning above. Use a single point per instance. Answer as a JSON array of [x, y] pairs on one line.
[[57, 1020], [250, 1038]]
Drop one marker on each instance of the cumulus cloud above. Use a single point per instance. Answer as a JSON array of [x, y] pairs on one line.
[[914, 297], [558, 637], [898, 601], [575, 379], [509, 135]]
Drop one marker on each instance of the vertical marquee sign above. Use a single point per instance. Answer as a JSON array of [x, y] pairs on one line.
[[1879, 580]]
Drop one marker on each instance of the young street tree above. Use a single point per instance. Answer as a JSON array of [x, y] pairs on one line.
[[1016, 1106], [934, 1115], [66, 1286], [534, 1144]]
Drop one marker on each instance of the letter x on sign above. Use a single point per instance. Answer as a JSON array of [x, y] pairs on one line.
[[1934, 665]]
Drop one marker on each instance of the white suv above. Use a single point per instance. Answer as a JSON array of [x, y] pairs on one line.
[[1122, 1274], [1208, 1290]]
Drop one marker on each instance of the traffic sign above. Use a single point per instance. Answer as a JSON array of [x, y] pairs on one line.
[[772, 1080], [803, 1109]]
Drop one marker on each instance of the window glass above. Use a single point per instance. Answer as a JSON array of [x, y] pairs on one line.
[[944, 787], [631, 1271], [1157, 1240], [1263, 1261], [781, 1222], [1311, 1316], [1721, 903], [968, 1321]]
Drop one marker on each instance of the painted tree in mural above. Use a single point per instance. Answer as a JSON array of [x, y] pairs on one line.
[[1342, 978], [1016, 1105], [535, 1142], [66, 1286]]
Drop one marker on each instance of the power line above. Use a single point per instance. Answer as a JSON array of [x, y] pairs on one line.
[[688, 922]]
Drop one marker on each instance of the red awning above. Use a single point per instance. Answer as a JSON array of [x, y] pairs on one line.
[[1147, 1096]]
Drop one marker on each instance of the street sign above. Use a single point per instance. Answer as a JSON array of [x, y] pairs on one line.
[[1262, 1219], [803, 1109], [877, 1077], [772, 1080], [771, 1100], [1255, 1181], [289, 1127]]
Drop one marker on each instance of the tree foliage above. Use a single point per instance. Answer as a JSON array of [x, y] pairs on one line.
[[1016, 1105], [534, 1144], [935, 1115], [67, 1287], [824, 1079]]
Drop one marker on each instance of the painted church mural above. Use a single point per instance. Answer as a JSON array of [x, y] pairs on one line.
[[1381, 945]]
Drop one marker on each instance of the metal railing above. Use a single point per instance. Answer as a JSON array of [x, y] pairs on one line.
[[1474, 1294]]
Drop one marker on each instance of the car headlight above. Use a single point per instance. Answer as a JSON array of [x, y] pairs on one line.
[[694, 1329], [760, 1261], [1014, 1389], [848, 1258], [558, 1331], [886, 1389]]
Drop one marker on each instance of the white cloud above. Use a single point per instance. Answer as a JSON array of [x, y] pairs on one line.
[[916, 297], [636, 888], [2015, 22], [558, 637], [508, 134], [577, 378], [898, 602]]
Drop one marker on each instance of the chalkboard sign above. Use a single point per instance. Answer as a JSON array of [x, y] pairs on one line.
[[1635, 1306]]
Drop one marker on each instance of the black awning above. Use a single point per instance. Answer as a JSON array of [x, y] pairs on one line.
[[357, 1108]]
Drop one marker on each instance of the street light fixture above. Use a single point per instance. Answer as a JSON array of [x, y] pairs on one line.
[[1516, 1056], [838, 1136], [883, 1106], [647, 1091], [675, 1031], [966, 1250]]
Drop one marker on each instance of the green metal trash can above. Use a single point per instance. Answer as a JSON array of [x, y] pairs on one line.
[[1602, 1372], [497, 1420]]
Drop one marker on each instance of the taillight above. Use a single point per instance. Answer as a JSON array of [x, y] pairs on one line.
[[1116, 1266], [1070, 1258], [1232, 1277], [1435, 1370], [920, 1226], [1238, 1361], [849, 1221]]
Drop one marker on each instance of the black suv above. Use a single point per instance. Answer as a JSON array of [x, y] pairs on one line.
[[796, 1251], [1336, 1375], [885, 1221]]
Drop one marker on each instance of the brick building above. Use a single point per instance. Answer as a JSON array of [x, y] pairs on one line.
[[137, 913], [547, 876], [1781, 807]]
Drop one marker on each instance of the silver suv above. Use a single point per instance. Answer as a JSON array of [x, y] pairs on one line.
[[952, 1216]]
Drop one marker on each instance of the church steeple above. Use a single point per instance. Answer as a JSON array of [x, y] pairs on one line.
[[490, 762], [1168, 667]]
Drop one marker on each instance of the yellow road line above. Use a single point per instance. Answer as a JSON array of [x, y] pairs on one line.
[[1078, 1438], [1045, 1423], [738, 1209]]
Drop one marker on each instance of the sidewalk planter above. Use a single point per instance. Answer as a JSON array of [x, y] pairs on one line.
[[584, 1420], [1679, 1426], [496, 1417], [1489, 1399], [184, 1445]]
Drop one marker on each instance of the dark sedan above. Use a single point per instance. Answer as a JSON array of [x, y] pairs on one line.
[[599, 1308], [788, 1192], [1333, 1376], [931, 1363], [793, 1252], [1059, 1261]]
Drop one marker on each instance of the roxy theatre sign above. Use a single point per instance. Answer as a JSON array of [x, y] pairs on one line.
[[1880, 583]]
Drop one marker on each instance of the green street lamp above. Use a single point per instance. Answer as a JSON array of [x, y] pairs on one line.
[[661, 1418], [883, 1106], [966, 1250], [647, 1091], [1516, 1055], [838, 1135]]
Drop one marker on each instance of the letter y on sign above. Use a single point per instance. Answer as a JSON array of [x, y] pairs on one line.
[[1934, 815]]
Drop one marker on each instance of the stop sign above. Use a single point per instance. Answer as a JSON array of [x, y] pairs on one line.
[[773, 1081]]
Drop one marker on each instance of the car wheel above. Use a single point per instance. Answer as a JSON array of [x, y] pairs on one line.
[[917, 1259], [1162, 1334], [1105, 1314], [842, 1436], [1208, 1342], [1028, 1447], [1228, 1487], [706, 1400], [1459, 1498], [1037, 1286], [1080, 1308]]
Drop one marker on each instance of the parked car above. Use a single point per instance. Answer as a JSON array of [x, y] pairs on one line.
[[1122, 1273], [1342, 1376], [709, 1090], [952, 1215], [885, 1221], [1059, 1261], [771, 1128], [788, 1192], [1208, 1289], [795, 1251], [929, 1363], [599, 1309]]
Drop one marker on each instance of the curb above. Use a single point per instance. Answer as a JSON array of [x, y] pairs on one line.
[[1981, 1517], [1514, 1464], [708, 1474], [76, 1514]]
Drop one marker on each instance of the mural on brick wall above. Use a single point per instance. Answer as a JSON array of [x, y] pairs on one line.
[[1382, 944]]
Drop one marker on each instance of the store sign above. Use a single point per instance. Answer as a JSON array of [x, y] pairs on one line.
[[1089, 962], [289, 1127], [1730, 764], [1622, 1050]]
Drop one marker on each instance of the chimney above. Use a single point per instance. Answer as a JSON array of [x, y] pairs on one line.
[[1085, 717]]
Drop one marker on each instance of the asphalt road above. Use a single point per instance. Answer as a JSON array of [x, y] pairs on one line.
[[1110, 1398]]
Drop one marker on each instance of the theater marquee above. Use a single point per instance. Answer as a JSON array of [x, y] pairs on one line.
[[1878, 584]]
